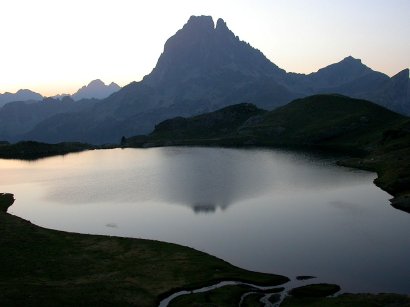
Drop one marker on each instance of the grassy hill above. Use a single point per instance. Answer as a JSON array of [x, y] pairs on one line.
[[321, 120], [216, 128], [326, 120]]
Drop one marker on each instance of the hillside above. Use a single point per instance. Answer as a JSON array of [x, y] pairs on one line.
[[223, 122], [326, 120], [320, 120]]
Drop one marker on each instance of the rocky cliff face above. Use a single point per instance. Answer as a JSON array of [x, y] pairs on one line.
[[201, 49]]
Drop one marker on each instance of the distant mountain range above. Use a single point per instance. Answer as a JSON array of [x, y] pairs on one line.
[[20, 95], [205, 67], [95, 89]]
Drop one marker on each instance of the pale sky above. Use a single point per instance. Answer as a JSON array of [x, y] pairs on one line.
[[57, 46]]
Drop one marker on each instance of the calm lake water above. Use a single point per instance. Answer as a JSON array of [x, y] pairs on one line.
[[264, 210]]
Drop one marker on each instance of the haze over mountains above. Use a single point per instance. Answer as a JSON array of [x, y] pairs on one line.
[[204, 67]]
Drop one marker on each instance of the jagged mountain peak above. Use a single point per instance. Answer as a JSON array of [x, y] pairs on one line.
[[221, 25], [352, 60], [347, 63], [202, 49], [402, 75], [342, 72], [200, 23], [25, 91], [95, 89], [96, 82]]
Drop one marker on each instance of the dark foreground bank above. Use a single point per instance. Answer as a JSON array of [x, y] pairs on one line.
[[42, 267]]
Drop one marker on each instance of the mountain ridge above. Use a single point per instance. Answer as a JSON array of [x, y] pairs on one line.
[[20, 95], [205, 67], [96, 89]]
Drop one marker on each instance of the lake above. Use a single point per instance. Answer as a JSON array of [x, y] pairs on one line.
[[267, 210]]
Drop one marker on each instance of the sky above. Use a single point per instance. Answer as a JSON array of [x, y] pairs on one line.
[[57, 46]]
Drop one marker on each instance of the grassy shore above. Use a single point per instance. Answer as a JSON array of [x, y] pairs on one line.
[[43, 267], [29, 150]]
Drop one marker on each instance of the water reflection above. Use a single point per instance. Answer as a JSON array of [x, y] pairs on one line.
[[204, 179]]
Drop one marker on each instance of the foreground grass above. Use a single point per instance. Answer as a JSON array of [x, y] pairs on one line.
[[391, 161], [350, 300], [225, 296], [42, 267], [29, 150]]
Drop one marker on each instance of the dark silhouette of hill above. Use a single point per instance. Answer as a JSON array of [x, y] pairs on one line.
[[205, 67], [321, 120]]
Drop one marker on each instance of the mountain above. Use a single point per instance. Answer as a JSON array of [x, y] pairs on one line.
[[96, 89], [205, 67], [352, 78], [325, 120], [394, 93], [17, 119], [20, 95]]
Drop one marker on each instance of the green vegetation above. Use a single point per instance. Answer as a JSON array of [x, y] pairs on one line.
[[315, 290], [30, 150], [391, 161], [42, 267], [350, 300], [224, 296], [215, 128], [253, 300], [331, 121]]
